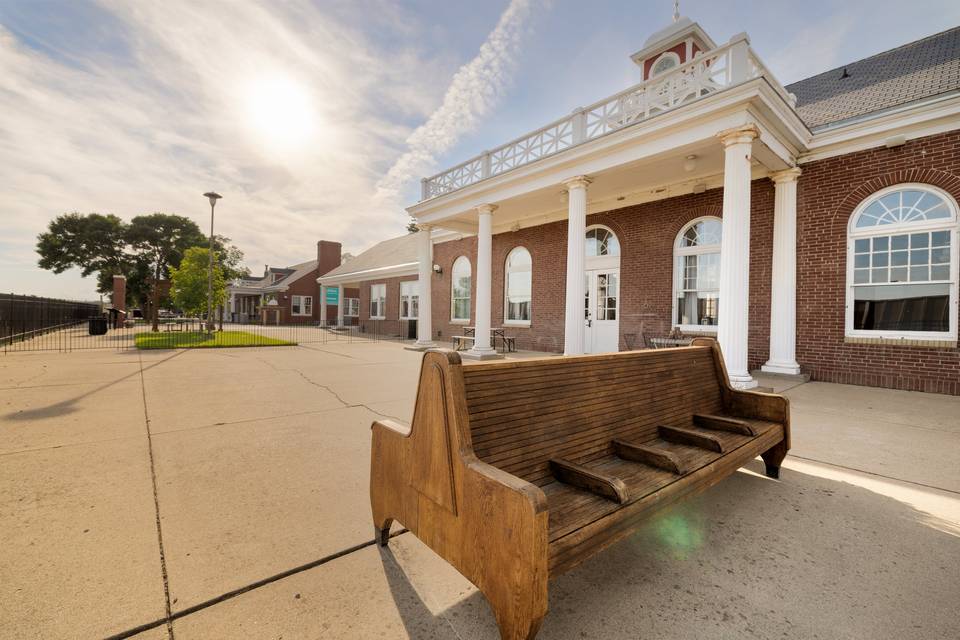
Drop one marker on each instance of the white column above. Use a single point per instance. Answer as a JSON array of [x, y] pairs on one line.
[[233, 306], [481, 343], [339, 305], [573, 325], [424, 280], [733, 320], [783, 289], [323, 305]]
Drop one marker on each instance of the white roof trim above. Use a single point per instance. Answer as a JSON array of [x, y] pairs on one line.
[[391, 271]]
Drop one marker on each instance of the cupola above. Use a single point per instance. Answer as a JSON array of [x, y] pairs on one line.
[[672, 46]]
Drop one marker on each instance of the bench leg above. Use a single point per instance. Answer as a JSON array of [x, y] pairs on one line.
[[772, 458], [381, 531], [517, 624]]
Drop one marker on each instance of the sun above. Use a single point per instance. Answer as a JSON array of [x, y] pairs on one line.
[[281, 112]]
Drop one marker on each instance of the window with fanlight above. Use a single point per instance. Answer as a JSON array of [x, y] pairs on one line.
[[518, 287], [600, 241], [902, 264], [697, 275], [460, 290]]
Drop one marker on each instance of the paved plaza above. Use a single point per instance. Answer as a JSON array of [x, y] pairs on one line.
[[223, 493]]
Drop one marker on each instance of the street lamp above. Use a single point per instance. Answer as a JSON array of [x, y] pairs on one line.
[[212, 196]]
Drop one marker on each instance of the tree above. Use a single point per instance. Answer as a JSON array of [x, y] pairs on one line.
[[143, 250], [95, 243], [161, 240], [412, 226], [188, 282]]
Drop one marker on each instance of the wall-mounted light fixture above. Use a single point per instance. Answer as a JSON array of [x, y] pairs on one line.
[[437, 269], [690, 163]]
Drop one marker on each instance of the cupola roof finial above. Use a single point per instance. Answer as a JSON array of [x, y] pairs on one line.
[[676, 10]]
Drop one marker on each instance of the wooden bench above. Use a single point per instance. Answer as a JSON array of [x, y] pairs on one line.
[[516, 471]]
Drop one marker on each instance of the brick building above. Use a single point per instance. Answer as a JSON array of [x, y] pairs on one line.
[[287, 295], [811, 228]]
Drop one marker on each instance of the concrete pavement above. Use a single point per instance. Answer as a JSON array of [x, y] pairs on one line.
[[249, 469]]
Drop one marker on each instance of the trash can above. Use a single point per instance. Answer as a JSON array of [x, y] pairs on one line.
[[98, 325]]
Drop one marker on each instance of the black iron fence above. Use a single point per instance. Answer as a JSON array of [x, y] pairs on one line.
[[103, 332], [24, 319]]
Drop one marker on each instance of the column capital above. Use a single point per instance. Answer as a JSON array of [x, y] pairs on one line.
[[787, 175], [744, 134], [577, 182], [486, 208], [423, 226]]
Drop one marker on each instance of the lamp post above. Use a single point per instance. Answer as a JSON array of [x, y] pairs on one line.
[[212, 196]]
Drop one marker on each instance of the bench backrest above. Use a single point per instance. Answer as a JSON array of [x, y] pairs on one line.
[[523, 413]]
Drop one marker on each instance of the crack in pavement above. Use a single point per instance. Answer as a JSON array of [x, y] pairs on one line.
[[200, 606], [337, 396], [156, 506]]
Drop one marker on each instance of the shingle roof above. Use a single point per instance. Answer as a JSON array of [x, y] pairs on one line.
[[389, 253], [292, 274], [917, 70]]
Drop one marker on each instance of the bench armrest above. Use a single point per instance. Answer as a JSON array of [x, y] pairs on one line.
[[494, 477], [391, 428], [761, 406]]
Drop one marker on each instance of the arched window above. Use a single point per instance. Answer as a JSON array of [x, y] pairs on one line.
[[460, 292], [667, 61], [902, 264], [602, 242], [518, 286], [697, 274]]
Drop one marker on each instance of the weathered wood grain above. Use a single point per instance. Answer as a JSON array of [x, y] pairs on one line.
[[516, 471]]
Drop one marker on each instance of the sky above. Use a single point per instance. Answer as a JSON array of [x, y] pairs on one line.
[[316, 120]]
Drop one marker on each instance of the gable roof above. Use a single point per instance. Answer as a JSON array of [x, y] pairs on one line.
[[291, 275], [921, 69], [392, 254]]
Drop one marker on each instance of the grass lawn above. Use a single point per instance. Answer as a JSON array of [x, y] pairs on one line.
[[192, 339]]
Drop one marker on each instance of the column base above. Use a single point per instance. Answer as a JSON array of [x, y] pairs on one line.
[[784, 368], [743, 382], [481, 354], [421, 346]]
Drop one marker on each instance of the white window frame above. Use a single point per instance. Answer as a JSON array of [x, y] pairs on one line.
[[609, 261], [679, 251], [673, 55], [453, 281], [302, 313], [506, 288], [854, 234], [378, 294], [413, 296], [351, 307]]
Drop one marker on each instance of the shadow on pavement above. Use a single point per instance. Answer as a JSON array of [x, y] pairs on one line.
[[803, 557]]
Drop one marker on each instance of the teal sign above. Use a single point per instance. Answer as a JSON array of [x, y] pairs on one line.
[[333, 295]]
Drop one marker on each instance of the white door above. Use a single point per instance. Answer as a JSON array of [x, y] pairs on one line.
[[602, 311]]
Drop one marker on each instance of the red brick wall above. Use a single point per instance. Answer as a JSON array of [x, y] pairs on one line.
[[305, 286], [647, 234], [829, 190], [392, 325]]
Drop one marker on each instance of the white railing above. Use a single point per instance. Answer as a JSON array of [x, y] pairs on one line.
[[707, 73]]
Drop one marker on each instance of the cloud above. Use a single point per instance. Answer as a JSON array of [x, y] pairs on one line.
[[813, 49], [162, 114], [473, 93]]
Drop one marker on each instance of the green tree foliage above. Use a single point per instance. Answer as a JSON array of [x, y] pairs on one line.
[[144, 250], [94, 243], [188, 282]]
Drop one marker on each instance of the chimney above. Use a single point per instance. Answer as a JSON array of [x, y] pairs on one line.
[[119, 295], [328, 256]]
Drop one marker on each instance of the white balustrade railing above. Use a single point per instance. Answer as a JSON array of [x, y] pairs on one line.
[[707, 73]]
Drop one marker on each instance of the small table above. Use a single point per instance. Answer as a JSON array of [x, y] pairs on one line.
[[509, 343]]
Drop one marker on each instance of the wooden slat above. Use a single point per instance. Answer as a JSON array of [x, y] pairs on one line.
[[723, 423], [653, 456], [690, 437], [590, 480]]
